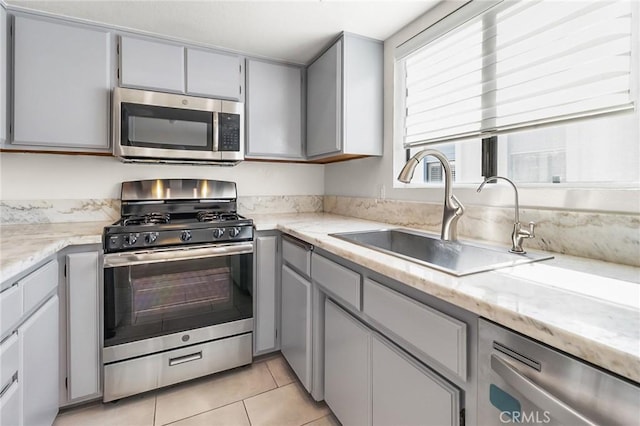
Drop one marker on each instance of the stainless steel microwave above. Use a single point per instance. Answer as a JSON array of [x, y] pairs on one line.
[[169, 128]]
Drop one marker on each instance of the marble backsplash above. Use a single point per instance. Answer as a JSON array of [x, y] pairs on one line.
[[603, 236], [108, 210], [57, 211]]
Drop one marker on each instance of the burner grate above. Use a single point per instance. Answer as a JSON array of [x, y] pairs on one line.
[[211, 216], [147, 219]]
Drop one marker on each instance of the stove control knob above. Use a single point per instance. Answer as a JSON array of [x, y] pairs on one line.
[[218, 232], [233, 232], [185, 236], [131, 239], [151, 237]]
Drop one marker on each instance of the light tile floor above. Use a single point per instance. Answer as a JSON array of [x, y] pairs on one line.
[[262, 394]]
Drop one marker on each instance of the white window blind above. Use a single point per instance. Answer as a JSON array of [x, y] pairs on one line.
[[519, 65]]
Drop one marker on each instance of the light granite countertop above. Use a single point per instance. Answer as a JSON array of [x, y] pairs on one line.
[[590, 309]]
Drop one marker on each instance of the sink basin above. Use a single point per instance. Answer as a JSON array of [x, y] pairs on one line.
[[454, 257]]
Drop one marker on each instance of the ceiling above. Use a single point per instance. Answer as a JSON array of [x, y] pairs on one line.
[[293, 31]]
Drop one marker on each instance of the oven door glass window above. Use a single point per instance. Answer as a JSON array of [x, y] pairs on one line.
[[147, 126], [155, 299]]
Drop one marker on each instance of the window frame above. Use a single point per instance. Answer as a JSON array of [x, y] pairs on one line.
[[489, 160]]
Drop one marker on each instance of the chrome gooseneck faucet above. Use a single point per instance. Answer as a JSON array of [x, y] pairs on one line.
[[518, 234], [453, 208]]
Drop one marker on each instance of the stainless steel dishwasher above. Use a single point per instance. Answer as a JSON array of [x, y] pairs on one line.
[[523, 381]]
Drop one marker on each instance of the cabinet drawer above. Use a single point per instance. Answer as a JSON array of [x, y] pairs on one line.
[[9, 359], [435, 334], [297, 255], [339, 280], [10, 308], [38, 284]]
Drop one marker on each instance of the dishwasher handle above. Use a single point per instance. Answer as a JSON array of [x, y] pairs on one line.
[[539, 396]]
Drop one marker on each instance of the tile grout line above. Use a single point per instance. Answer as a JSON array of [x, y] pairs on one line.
[[202, 412], [272, 376], [315, 420], [155, 408], [246, 412]]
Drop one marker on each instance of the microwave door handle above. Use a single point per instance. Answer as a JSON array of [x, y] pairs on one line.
[[215, 131], [537, 395], [114, 260]]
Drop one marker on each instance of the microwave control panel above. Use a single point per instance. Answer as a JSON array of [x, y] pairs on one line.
[[228, 132]]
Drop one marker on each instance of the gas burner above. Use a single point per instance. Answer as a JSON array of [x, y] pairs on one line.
[[211, 216], [147, 219]]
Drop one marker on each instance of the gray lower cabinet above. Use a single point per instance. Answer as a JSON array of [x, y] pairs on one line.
[[266, 293], [407, 393], [347, 367], [296, 318], [61, 85], [344, 100], [274, 110], [370, 381], [4, 60], [38, 369], [29, 305], [82, 326]]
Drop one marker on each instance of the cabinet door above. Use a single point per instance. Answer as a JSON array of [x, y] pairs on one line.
[[152, 65], [406, 393], [213, 74], [61, 85], [38, 372], [295, 339], [4, 59], [266, 295], [10, 405], [83, 325], [274, 110], [347, 367], [324, 103]]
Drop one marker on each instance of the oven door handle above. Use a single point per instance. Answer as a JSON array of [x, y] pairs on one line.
[[115, 260]]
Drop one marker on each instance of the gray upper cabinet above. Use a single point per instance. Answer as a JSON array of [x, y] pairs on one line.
[[324, 93], [274, 110], [61, 86], [344, 100], [4, 60], [214, 74], [151, 65], [167, 67]]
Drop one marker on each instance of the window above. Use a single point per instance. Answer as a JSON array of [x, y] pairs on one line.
[[554, 81]]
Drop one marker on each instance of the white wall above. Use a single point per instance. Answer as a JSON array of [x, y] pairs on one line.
[[54, 176], [375, 177]]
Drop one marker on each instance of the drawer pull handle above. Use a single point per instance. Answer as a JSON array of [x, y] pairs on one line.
[[187, 358]]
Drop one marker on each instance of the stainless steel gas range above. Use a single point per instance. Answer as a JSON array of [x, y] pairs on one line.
[[178, 284]]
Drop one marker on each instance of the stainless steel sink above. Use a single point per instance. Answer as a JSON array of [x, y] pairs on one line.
[[454, 257]]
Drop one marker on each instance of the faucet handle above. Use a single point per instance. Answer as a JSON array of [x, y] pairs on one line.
[[532, 226], [459, 207]]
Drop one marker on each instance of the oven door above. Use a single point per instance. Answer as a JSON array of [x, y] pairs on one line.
[[150, 294]]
